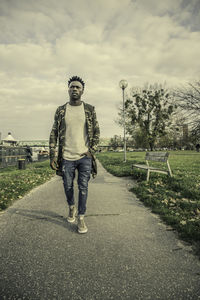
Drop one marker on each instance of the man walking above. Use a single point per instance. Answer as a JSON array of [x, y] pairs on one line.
[[77, 131]]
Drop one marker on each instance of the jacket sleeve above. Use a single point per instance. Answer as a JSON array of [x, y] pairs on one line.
[[96, 133], [53, 137]]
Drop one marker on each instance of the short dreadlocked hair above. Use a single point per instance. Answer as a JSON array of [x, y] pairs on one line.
[[76, 78]]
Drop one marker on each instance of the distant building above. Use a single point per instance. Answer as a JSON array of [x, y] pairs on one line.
[[9, 140]]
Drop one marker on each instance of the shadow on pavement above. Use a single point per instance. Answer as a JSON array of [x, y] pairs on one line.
[[44, 215]]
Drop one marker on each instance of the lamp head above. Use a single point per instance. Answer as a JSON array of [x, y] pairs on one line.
[[123, 84]]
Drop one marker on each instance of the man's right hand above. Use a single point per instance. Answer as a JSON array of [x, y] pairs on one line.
[[54, 164]]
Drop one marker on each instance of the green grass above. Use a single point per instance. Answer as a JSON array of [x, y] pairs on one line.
[[176, 199], [14, 183]]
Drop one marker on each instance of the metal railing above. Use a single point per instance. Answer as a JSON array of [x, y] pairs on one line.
[[9, 155]]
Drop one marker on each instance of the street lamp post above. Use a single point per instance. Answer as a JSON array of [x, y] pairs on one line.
[[123, 84]]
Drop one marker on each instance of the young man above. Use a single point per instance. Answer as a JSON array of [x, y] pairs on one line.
[[77, 131]]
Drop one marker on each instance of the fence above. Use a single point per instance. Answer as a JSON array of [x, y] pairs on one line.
[[9, 155]]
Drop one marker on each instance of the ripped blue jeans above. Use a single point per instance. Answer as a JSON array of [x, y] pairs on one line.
[[83, 166]]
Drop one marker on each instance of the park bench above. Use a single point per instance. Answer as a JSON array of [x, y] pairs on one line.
[[161, 157]]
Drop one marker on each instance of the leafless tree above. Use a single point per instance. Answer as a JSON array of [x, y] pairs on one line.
[[188, 100]]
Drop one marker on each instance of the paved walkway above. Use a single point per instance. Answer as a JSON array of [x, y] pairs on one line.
[[128, 253]]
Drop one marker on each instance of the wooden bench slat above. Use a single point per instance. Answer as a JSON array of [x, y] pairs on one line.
[[140, 166], [145, 167], [154, 158], [157, 153], [157, 156]]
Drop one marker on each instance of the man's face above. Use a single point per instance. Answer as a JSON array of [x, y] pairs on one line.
[[75, 90]]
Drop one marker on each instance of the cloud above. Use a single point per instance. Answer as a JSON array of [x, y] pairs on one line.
[[43, 43], [155, 7]]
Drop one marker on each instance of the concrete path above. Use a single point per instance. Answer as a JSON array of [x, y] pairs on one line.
[[128, 253]]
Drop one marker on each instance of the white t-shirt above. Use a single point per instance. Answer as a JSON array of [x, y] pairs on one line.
[[76, 140]]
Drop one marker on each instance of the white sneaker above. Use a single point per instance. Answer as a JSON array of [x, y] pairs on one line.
[[82, 228], [72, 213]]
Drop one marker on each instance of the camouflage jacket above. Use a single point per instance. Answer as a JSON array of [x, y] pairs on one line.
[[59, 129]]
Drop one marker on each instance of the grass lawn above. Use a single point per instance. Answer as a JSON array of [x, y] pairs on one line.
[[176, 199], [14, 183]]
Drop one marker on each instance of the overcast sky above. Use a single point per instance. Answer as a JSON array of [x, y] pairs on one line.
[[44, 42]]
